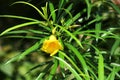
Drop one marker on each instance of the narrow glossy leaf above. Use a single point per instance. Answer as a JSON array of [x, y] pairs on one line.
[[29, 50], [80, 58], [70, 68], [95, 48], [62, 57], [71, 21], [115, 65], [88, 8], [61, 3], [44, 25], [69, 8], [38, 31], [90, 35], [39, 65], [89, 23], [112, 36], [115, 70], [97, 27], [72, 62], [41, 75], [112, 75], [115, 45], [15, 58], [53, 70], [111, 69], [101, 67], [89, 32], [45, 11], [94, 76], [114, 6], [23, 2], [69, 33], [19, 26], [18, 32], [27, 31], [52, 10], [19, 17], [67, 12]]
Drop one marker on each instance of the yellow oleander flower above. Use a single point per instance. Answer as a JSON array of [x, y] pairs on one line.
[[51, 46]]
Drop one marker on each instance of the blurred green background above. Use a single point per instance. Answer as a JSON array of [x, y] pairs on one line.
[[9, 47]]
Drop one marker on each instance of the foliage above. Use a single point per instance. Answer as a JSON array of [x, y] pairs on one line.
[[89, 36]]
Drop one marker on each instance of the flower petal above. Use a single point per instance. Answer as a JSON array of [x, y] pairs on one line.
[[51, 46]]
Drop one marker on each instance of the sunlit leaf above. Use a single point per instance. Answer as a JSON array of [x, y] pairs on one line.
[[101, 67], [19, 26]]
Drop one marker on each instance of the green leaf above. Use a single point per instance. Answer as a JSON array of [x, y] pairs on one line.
[[23, 2], [90, 34], [115, 46], [53, 70], [112, 71], [111, 75], [101, 67], [89, 23], [12, 59], [69, 33], [52, 10], [93, 73], [97, 27], [45, 11], [18, 32], [116, 69], [86, 32], [19, 26], [70, 68], [71, 21], [43, 73], [29, 50], [39, 65], [114, 6], [19, 17], [27, 32], [61, 4], [80, 58], [62, 57], [38, 32], [89, 6], [65, 12], [72, 62]]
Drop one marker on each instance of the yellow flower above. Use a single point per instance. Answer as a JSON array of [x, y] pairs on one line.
[[51, 46]]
